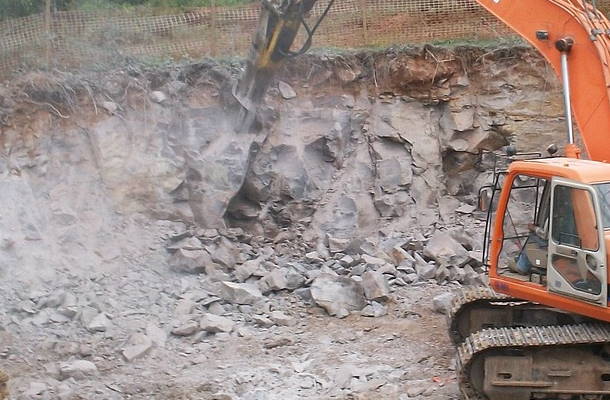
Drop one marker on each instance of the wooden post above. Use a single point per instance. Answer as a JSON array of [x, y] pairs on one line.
[[214, 30], [365, 28], [47, 30]]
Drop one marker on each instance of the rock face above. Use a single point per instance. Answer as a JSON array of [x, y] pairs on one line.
[[337, 295]]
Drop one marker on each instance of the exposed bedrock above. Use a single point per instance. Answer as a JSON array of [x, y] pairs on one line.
[[384, 142]]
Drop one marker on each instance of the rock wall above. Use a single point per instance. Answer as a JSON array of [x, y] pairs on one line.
[[373, 143]]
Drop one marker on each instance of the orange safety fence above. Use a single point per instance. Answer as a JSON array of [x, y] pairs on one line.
[[77, 39]]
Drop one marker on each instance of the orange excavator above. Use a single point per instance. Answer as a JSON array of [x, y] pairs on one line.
[[541, 330]]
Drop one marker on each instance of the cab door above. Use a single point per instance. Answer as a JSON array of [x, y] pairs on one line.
[[577, 254]]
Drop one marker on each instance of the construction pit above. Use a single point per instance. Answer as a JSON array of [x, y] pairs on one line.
[[149, 252]]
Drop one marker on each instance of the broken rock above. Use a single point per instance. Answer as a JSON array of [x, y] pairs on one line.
[[338, 295], [191, 261], [138, 346], [186, 329], [442, 303], [374, 309], [240, 293], [77, 369], [286, 90], [375, 286], [215, 323], [445, 250], [275, 280], [98, 324]]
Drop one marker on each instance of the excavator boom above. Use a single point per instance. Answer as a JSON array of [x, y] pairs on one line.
[[543, 23]]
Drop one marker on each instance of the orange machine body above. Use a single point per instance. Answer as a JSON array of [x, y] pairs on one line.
[[582, 171], [589, 60]]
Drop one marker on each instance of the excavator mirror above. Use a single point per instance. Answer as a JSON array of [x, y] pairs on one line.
[[485, 195]]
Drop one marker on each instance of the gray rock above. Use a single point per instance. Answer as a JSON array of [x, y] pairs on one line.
[[215, 323], [190, 261], [158, 96], [375, 286], [294, 280], [156, 334], [186, 329], [249, 268], [441, 274], [281, 319], [286, 90], [373, 261], [217, 308], [401, 256], [240, 293], [337, 295], [224, 253], [374, 309], [471, 277], [35, 390], [442, 302], [110, 106], [445, 250], [358, 270], [262, 321], [189, 243], [314, 257], [99, 323], [347, 261], [425, 271], [77, 369], [138, 346], [304, 294], [275, 280], [336, 245]]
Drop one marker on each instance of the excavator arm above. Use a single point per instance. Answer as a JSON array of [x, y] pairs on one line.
[[582, 33]]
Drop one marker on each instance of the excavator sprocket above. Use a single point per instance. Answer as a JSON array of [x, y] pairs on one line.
[[540, 362]]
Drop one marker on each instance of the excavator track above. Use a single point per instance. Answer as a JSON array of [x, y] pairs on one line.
[[474, 309], [464, 299], [522, 342]]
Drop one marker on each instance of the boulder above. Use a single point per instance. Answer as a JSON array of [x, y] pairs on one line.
[[442, 302], [275, 280], [445, 250], [338, 295], [375, 286]]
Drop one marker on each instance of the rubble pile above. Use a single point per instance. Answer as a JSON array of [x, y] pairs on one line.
[[243, 268]]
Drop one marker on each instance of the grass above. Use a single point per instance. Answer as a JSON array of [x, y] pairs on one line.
[[22, 8]]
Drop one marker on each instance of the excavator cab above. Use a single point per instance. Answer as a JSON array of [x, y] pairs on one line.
[[550, 225]]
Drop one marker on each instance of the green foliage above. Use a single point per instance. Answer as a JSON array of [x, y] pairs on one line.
[[21, 8]]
